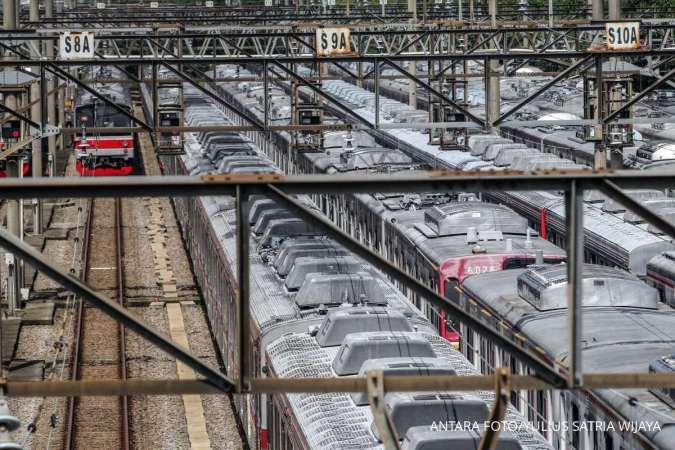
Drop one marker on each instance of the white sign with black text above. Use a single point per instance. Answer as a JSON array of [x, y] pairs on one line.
[[332, 41], [76, 45], [622, 35]]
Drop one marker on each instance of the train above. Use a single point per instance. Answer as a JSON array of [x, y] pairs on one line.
[[318, 311], [112, 149], [372, 232], [625, 329]]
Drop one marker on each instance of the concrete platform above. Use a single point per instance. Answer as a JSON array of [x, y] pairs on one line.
[[26, 370], [58, 234], [38, 243], [10, 336], [38, 313]]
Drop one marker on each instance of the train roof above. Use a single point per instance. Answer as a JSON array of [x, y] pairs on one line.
[[619, 339], [300, 354]]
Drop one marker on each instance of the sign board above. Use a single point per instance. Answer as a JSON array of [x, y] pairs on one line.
[[100, 5], [383, 2], [208, 4], [330, 2], [332, 41], [622, 35], [154, 4], [76, 44], [268, 2]]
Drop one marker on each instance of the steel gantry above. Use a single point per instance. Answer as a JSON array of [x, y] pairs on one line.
[[545, 375]]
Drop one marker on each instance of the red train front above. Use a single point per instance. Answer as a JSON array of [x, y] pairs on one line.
[[103, 153]]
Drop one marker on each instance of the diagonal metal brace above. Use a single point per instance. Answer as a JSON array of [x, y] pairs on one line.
[[541, 369], [385, 426], [214, 96], [324, 94], [544, 88], [19, 116], [24, 251], [437, 93], [502, 397]]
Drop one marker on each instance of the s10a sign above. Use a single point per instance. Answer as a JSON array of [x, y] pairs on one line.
[[622, 35]]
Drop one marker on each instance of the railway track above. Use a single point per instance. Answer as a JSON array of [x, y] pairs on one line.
[[99, 346]]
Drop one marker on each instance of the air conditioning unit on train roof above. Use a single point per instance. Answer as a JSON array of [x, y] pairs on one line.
[[359, 347], [306, 265], [408, 410], [457, 217], [545, 288], [341, 322], [426, 438], [324, 289], [402, 366]]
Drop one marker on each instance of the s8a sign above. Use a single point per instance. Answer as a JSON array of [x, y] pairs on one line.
[[76, 45], [332, 41], [622, 35]]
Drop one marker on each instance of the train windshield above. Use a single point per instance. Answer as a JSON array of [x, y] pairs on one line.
[[522, 262], [101, 115]]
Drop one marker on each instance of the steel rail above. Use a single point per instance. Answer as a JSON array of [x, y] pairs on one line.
[[31, 256], [119, 258], [78, 333]]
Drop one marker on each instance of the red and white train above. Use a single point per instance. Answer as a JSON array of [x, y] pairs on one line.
[[110, 152]]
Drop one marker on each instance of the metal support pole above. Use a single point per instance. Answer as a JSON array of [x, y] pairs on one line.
[[51, 100], [574, 210], [376, 89], [490, 437], [378, 406], [412, 65], [266, 120], [37, 92], [243, 276], [614, 9], [14, 281], [493, 100], [9, 21], [600, 155], [155, 104], [597, 12]]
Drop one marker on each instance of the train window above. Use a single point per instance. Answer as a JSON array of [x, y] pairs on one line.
[[450, 289], [575, 432], [519, 263], [609, 441]]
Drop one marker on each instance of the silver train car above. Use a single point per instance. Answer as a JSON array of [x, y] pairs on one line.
[[625, 329], [319, 311], [338, 161]]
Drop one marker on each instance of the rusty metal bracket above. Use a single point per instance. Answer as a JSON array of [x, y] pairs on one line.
[[375, 386], [502, 396]]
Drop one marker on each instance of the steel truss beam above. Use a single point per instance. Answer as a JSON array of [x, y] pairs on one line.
[[272, 185], [367, 39], [31, 256], [222, 184]]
